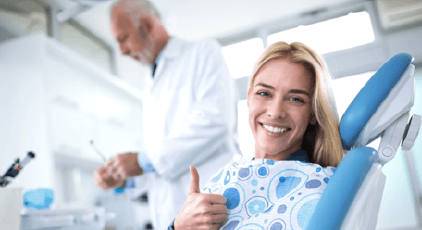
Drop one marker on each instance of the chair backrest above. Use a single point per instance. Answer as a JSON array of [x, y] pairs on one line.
[[381, 108]]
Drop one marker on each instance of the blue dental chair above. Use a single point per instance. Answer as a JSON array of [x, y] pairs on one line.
[[381, 109]]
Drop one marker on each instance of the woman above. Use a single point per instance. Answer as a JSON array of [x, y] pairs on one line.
[[294, 121]]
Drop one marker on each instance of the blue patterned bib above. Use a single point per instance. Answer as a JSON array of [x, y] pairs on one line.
[[269, 195]]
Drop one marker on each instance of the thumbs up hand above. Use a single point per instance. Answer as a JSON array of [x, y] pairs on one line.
[[201, 211]]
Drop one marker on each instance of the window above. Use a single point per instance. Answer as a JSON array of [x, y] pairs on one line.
[[241, 56], [345, 89], [340, 33]]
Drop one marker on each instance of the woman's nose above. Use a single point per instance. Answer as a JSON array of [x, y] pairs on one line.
[[277, 110]]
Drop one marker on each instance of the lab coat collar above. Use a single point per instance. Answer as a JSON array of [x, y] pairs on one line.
[[172, 49]]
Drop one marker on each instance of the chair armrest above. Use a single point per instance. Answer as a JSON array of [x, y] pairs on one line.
[[341, 190]]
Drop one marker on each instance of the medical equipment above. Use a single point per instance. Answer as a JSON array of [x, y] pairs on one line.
[[98, 151], [82, 6], [14, 169], [41, 198], [381, 109], [89, 219]]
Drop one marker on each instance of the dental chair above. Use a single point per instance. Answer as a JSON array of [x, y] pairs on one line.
[[381, 109]]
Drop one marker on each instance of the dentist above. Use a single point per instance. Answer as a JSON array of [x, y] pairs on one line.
[[190, 115]]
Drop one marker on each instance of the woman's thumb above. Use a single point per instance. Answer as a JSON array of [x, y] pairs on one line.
[[194, 181]]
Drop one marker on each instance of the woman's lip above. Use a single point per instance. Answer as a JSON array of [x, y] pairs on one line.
[[275, 125], [275, 134]]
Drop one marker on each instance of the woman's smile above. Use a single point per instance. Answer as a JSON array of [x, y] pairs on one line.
[[276, 129]]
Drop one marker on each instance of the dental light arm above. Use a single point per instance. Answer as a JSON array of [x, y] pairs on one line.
[[82, 6]]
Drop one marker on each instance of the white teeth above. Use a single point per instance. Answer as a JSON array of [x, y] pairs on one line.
[[275, 129]]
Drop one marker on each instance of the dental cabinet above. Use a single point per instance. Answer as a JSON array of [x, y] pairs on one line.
[[54, 102]]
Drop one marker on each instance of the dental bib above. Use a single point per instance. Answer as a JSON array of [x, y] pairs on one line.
[[269, 195]]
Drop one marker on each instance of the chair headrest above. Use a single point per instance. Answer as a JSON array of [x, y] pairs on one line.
[[371, 96]]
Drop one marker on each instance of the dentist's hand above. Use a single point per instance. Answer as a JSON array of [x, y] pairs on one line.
[[201, 211], [117, 170], [106, 181], [123, 166]]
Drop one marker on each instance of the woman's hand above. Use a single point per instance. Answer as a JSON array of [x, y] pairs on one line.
[[201, 211]]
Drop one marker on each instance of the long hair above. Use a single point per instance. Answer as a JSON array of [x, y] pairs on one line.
[[322, 140]]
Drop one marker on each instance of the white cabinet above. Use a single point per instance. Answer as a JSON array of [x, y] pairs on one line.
[[54, 103]]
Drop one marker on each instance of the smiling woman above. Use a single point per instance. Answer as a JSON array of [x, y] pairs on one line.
[[294, 122], [289, 92]]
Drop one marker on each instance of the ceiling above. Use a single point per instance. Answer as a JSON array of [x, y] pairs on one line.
[[195, 19]]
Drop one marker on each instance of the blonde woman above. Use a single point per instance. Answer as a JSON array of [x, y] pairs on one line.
[[294, 121]]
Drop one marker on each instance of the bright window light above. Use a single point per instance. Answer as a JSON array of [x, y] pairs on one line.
[[345, 89], [341, 33], [241, 56]]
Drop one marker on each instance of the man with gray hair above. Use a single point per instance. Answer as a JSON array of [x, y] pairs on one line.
[[190, 111]]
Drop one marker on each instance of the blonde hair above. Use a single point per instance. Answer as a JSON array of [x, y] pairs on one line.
[[322, 140]]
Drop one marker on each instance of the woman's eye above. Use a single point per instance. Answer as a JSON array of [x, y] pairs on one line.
[[263, 94], [296, 99]]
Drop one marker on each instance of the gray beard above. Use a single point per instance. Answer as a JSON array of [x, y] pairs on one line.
[[146, 56]]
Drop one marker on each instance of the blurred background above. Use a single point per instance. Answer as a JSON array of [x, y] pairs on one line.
[[71, 85]]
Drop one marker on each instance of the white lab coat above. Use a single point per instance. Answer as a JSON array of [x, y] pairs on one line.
[[190, 118]]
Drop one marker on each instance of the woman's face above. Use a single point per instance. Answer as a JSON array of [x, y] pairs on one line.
[[280, 108]]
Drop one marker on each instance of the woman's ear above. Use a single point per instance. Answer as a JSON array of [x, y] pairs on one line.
[[147, 23]]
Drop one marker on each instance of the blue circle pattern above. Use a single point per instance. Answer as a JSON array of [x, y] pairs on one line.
[[233, 198], [277, 224], [262, 171], [313, 184], [244, 173], [281, 209], [256, 205], [283, 183]]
